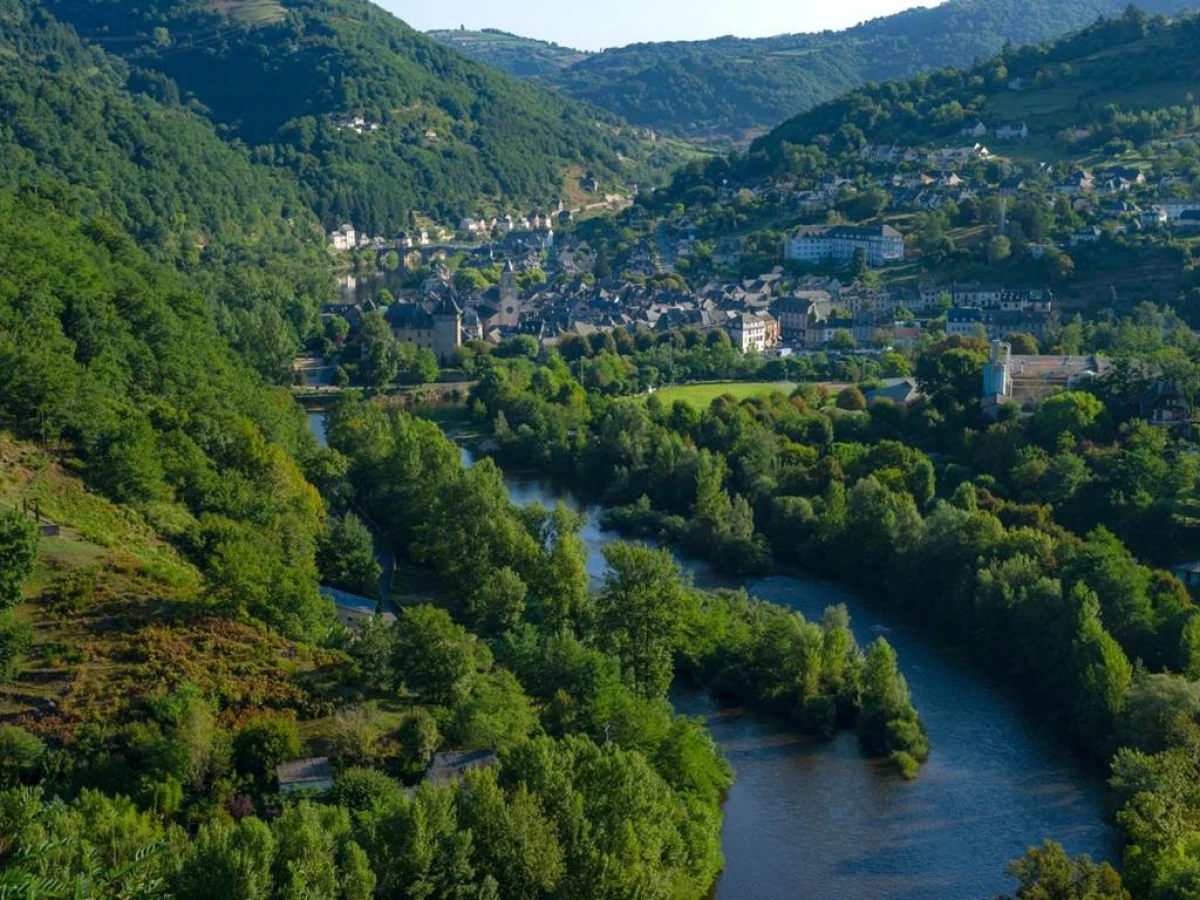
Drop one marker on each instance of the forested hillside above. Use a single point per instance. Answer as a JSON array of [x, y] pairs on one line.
[[730, 88], [526, 57], [453, 136], [75, 129], [158, 649], [1128, 77]]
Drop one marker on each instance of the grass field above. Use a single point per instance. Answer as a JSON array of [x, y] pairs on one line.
[[701, 396]]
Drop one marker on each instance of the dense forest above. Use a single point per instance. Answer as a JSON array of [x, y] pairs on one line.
[[76, 132], [453, 136], [730, 87]]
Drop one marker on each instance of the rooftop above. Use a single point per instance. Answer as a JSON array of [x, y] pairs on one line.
[[305, 775], [454, 763]]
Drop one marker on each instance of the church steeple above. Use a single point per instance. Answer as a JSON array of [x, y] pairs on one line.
[[510, 298]]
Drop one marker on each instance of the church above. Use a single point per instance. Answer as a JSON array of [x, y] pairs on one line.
[[500, 306]]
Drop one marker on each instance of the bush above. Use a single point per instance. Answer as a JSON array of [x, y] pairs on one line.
[[365, 790], [905, 764], [18, 553], [20, 751], [15, 638], [260, 746], [851, 399], [420, 739]]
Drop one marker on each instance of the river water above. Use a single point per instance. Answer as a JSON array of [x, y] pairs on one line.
[[815, 820]]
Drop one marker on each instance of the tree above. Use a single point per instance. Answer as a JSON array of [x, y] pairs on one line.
[[888, 724], [999, 249], [1103, 674], [952, 377], [424, 368], [306, 838], [18, 553], [261, 745], [379, 356], [640, 612], [346, 557], [435, 658], [851, 399], [843, 341], [1048, 873], [1023, 344], [228, 862], [513, 838], [1073, 413], [859, 263]]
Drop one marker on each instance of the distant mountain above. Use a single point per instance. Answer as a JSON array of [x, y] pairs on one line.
[[732, 89], [376, 120], [525, 57]]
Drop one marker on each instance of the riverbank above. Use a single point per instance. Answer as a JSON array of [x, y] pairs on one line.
[[816, 819]]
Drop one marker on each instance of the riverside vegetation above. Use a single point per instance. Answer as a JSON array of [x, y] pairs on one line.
[[1012, 543]]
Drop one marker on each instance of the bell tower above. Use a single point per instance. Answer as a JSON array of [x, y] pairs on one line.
[[510, 299]]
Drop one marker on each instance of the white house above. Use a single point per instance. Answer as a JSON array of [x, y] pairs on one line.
[[1176, 208], [1013, 132], [748, 332], [345, 238]]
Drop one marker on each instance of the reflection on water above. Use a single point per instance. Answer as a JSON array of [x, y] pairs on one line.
[[358, 289], [316, 424]]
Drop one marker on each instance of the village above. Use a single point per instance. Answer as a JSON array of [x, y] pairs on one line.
[[832, 280], [775, 312]]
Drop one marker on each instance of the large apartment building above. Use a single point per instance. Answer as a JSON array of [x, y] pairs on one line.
[[815, 244]]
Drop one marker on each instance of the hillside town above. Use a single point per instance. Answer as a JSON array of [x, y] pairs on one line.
[[777, 311]]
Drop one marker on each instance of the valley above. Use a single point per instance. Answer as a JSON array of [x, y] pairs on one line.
[[457, 465]]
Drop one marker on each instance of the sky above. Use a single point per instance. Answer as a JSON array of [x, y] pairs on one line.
[[596, 24]]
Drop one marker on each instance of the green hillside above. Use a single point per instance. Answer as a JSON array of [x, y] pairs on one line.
[[452, 135], [79, 128], [731, 88], [1130, 78], [521, 56]]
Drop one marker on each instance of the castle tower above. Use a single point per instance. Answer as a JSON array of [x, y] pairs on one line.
[[510, 299], [447, 329]]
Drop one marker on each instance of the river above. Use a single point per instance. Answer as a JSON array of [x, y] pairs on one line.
[[816, 820]]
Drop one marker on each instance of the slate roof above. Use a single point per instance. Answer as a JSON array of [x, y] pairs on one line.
[[452, 764]]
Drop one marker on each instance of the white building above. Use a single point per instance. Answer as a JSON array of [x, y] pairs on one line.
[[345, 238], [1175, 209], [817, 244], [748, 332], [1013, 132]]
